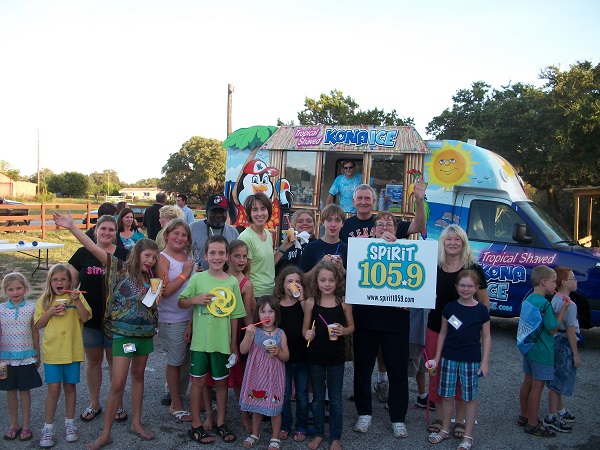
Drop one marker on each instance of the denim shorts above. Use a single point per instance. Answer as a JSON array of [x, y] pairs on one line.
[[56, 373], [538, 371], [564, 370], [95, 338]]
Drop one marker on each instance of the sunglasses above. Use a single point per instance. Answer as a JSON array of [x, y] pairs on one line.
[[348, 167]]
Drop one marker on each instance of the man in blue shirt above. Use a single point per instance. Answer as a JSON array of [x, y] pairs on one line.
[[344, 185]]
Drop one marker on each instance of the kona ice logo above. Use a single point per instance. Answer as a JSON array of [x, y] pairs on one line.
[[359, 137]]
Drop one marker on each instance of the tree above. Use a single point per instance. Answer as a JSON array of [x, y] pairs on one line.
[[197, 169], [335, 109], [69, 184], [146, 182], [7, 169]]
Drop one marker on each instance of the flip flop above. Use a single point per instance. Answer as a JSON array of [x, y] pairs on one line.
[[85, 416], [12, 434], [26, 434], [458, 431], [120, 412], [144, 435], [182, 416]]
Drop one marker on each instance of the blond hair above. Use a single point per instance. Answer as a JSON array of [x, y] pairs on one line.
[[48, 294], [467, 259], [539, 273], [11, 278]]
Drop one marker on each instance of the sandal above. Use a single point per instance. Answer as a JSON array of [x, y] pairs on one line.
[[182, 416], [435, 426], [521, 421], [26, 434], [90, 414], [12, 434], [300, 436], [539, 430], [436, 438], [458, 431], [199, 433], [274, 443], [224, 432], [94, 446], [465, 445], [251, 441], [121, 415]]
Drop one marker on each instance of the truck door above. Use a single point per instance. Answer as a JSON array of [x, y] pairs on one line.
[[491, 226]]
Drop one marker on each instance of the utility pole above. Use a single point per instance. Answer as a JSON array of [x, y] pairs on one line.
[[230, 90]]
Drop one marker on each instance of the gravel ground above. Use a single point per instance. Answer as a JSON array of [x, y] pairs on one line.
[[498, 409]]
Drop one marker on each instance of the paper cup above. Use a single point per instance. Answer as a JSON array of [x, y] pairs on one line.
[[431, 367], [154, 284], [291, 235], [270, 344], [62, 302], [294, 290], [332, 336]]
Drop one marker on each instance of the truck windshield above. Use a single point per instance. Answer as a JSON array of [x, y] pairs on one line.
[[555, 234]]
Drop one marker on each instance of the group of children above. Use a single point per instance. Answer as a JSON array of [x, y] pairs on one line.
[[289, 337]]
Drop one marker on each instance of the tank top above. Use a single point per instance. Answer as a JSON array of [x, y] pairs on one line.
[[322, 350], [292, 318]]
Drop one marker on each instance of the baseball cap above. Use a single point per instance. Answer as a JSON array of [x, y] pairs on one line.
[[216, 201]]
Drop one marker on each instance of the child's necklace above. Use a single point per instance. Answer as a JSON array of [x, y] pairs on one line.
[[269, 332]]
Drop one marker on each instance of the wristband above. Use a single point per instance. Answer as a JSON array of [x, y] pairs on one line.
[[282, 252], [182, 276]]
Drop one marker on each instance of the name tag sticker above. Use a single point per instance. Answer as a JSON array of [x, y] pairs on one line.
[[129, 348], [454, 322]]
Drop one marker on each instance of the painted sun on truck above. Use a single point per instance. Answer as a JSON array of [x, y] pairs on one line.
[[466, 185]]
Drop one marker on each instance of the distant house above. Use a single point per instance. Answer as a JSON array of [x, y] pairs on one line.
[[12, 188], [140, 193]]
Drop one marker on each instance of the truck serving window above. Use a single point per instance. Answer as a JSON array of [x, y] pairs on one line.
[[300, 171]]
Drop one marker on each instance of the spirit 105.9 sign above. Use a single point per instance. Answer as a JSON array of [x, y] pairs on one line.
[[400, 274]]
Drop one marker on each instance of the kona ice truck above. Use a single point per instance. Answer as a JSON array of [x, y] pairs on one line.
[[466, 185]]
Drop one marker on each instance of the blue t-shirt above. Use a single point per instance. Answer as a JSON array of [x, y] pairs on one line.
[[462, 341], [345, 188], [313, 252]]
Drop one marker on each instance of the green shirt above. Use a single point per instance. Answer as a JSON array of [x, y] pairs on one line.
[[543, 349], [210, 333], [262, 269]]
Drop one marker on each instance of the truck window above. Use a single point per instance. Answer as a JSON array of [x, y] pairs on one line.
[[385, 168], [300, 171], [492, 221]]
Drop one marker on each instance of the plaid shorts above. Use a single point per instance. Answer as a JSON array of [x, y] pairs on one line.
[[451, 371]]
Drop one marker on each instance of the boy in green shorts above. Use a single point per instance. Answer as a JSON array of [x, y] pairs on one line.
[[214, 333], [538, 363]]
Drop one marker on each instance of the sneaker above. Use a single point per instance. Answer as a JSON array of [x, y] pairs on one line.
[[362, 424], [47, 438], [567, 417], [422, 403], [71, 433], [399, 429], [383, 390], [558, 425]]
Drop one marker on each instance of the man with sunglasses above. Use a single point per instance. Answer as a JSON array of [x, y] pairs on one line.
[[344, 186]]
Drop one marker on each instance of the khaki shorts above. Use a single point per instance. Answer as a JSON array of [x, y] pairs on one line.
[[416, 360]]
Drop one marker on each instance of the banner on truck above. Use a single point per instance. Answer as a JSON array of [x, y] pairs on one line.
[[400, 274]]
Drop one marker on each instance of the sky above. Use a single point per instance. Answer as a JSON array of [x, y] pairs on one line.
[[122, 84]]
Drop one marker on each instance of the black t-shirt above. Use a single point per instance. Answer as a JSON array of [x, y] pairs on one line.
[[291, 322], [151, 220], [446, 293], [91, 277], [291, 257], [313, 252], [463, 343]]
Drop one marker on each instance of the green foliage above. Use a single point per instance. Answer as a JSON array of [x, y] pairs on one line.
[[197, 169], [45, 197], [7, 169], [146, 182], [249, 138], [335, 109], [69, 184]]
